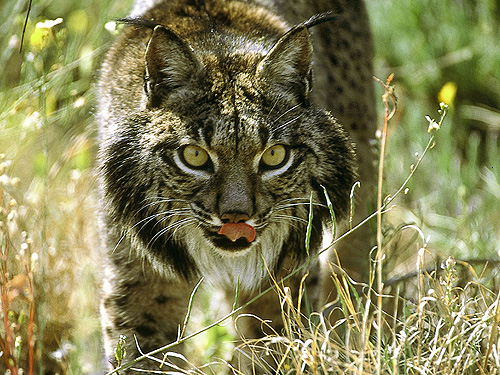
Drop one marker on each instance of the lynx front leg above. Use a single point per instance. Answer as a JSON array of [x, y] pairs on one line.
[[145, 309]]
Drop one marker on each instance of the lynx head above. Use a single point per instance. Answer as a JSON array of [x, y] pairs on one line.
[[210, 165]]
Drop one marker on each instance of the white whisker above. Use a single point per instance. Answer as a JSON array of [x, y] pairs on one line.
[[167, 214], [289, 122], [291, 218], [284, 113], [288, 205], [160, 200], [175, 225]]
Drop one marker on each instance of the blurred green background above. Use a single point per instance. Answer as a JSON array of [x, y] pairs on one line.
[[446, 50]]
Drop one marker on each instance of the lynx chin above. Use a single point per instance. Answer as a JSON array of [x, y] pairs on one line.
[[218, 120]]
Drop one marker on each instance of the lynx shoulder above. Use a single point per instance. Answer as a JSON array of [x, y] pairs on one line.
[[212, 144]]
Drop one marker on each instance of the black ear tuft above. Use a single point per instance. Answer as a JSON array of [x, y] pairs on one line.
[[170, 64], [286, 69]]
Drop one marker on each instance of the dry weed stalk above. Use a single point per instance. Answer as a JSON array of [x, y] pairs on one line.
[[17, 337]]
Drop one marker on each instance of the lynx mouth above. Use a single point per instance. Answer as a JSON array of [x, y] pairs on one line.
[[234, 236], [225, 243]]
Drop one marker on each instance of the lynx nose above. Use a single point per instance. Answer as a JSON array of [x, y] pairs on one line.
[[234, 217]]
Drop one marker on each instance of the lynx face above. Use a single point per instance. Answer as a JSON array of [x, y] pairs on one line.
[[209, 167]]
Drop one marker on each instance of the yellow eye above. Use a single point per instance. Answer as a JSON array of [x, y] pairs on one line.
[[195, 156], [274, 156]]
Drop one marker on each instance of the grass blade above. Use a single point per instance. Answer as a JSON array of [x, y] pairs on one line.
[[309, 224], [332, 212]]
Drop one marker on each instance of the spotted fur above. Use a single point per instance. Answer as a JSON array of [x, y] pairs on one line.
[[233, 79]]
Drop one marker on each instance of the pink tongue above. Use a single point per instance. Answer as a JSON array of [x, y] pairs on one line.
[[235, 231]]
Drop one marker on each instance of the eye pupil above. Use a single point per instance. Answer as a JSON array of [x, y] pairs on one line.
[[194, 156], [275, 156]]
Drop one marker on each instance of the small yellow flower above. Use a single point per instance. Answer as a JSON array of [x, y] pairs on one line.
[[39, 38], [447, 93]]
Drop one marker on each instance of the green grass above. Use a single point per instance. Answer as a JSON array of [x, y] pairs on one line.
[[48, 231], [427, 44]]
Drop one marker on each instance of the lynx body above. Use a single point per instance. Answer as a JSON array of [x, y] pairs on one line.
[[212, 140]]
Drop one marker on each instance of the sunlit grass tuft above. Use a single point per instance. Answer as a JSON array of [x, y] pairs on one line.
[[447, 330]]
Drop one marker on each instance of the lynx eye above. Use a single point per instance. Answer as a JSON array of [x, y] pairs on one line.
[[195, 156], [275, 156]]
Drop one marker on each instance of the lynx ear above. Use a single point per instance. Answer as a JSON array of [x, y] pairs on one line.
[[170, 63], [287, 66]]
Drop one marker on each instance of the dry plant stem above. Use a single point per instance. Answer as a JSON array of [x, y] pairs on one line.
[[44, 257], [421, 305], [31, 301], [394, 328], [6, 343], [25, 25], [494, 331], [31, 326], [386, 97], [190, 308]]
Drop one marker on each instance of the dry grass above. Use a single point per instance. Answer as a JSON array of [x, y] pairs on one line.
[[446, 329]]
